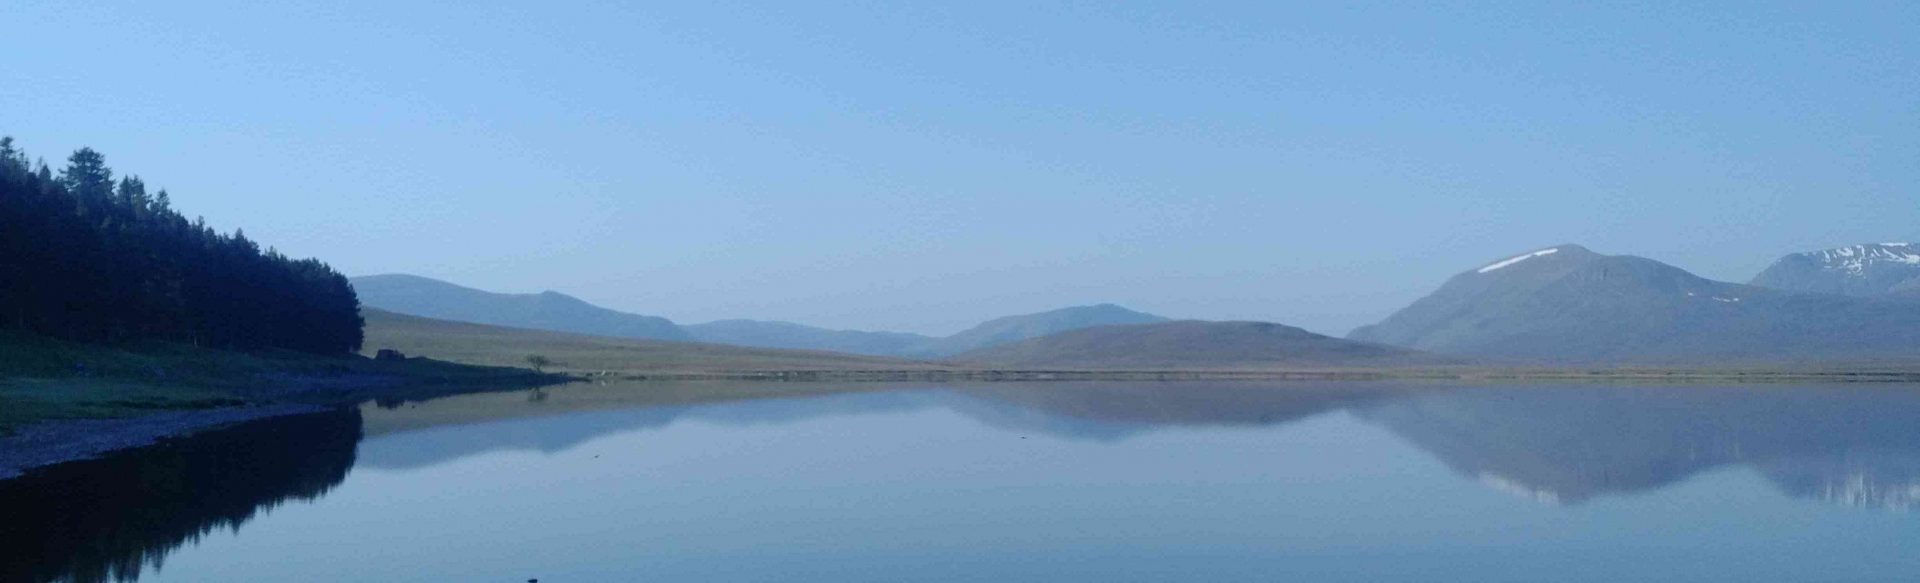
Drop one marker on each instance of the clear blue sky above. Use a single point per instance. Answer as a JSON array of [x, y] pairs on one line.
[[922, 166]]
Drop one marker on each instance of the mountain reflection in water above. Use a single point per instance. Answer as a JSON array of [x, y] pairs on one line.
[[1849, 444], [1854, 445]]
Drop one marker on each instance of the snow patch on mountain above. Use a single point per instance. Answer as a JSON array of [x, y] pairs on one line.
[[1513, 260], [1855, 259]]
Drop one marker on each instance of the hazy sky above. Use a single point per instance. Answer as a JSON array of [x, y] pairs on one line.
[[922, 166]]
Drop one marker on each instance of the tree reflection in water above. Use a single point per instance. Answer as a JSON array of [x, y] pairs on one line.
[[107, 519]]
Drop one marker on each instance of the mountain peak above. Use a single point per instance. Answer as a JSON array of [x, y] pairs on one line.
[[1866, 269], [1854, 259]]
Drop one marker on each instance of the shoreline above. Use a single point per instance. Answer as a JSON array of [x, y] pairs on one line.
[[1476, 375], [61, 441], [52, 442], [47, 442]]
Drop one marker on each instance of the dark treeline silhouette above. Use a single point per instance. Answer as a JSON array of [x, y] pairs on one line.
[[91, 259], [109, 519]]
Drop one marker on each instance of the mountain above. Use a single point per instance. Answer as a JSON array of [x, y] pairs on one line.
[[1568, 304], [1016, 328], [1859, 270], [420, 296], [1191, 344], [799, 336]]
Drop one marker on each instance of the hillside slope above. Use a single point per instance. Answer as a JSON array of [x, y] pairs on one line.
[[431, 298], [1192, 344], [1016, 328]]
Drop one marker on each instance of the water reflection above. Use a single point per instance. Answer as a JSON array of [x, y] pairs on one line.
[[593, 410], [111, 518], [1854, 445]]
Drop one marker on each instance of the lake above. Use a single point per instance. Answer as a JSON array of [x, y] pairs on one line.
[[1187, 481]]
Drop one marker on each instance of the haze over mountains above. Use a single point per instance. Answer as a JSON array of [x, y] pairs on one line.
[[1567, 304], [776, 334], [420, 296]]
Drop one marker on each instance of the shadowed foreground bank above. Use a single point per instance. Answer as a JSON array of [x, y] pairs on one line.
[[110, 519], [61, 401]]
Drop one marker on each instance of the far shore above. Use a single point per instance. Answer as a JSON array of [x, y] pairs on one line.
[[1475, 374], [57, 440]]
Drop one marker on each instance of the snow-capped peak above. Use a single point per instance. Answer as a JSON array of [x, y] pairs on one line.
[[1520, 258], [1855, 259]]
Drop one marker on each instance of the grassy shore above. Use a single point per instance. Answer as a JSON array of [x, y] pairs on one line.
[[45, 380], [603, 356]]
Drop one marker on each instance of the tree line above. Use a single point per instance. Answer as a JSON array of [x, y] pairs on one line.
[[88, 258]]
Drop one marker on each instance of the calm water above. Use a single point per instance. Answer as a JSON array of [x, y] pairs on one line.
[[1027, 482]]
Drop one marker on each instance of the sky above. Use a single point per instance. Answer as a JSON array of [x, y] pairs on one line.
[[924, 166]]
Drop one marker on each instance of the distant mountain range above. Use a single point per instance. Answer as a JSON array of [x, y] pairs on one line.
[[1569, 304], [1552, 306], [1859, 270], [420, 296], [1192, 344]]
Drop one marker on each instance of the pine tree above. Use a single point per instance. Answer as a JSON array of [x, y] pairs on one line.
[[87, 175], [110, 264], [133, 194]]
